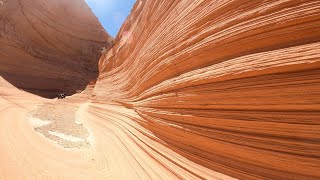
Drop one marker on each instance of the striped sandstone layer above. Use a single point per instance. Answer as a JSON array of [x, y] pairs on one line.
[[230, 85]]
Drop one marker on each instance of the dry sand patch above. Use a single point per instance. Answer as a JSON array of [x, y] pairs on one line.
[[57, 121]]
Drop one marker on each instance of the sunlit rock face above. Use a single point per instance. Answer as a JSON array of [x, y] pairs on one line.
[[49, 46], [187, 90], [230, 85]]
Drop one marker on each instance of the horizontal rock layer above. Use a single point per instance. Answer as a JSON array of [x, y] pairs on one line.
[[49, 46], [230, 85]]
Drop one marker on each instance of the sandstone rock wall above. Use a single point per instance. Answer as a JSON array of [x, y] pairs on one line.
[[49, 46], [231, 85]]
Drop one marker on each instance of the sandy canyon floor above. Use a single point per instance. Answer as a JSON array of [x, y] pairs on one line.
[[74, 138]]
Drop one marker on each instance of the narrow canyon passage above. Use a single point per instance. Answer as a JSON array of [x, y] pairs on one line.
[[192, 89]]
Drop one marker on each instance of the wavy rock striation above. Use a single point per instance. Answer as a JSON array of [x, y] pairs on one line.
[[230, 85], [190, 90], [49, 46]]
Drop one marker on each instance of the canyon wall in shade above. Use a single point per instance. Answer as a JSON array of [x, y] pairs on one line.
[[48, 47], [230, 85]]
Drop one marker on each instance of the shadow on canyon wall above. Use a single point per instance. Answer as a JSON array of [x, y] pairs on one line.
[[41, 87], [46, 75], [46, 53]]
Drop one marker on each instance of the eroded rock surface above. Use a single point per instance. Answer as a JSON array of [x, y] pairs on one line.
[[49, 46], [190, 90], [230, 85]]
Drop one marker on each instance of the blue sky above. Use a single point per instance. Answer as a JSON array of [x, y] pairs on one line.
[[111, 13]]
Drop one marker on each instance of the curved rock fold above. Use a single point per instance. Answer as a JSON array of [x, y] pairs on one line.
[[187, 90]]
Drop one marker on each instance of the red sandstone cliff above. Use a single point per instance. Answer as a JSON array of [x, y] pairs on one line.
[[230, 85], [49, 46], [190, 90]]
